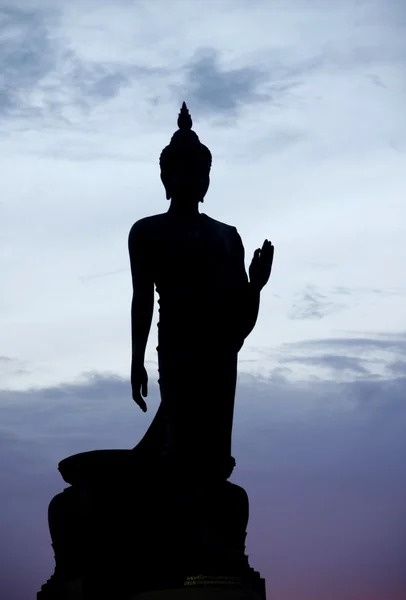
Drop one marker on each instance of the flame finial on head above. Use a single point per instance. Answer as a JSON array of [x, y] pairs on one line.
[[184, 136], [184, 118]]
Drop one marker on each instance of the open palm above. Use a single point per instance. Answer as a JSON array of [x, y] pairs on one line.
[[261, 265]]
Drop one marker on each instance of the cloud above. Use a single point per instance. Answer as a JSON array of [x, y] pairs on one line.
[[28, 55], [45, 82], [316, 301], [334, 362], [398, 367], [391, 342], [87, 278], [311, 303], [376, 356], [219, 90], [12, 366]]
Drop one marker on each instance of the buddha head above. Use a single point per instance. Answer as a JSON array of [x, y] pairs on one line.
[[185, 163]]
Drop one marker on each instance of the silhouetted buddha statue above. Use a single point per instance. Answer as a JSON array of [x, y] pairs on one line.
[[207, 307], [123, 524]]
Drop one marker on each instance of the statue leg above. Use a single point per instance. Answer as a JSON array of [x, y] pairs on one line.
[[66, 518], [198, 392]]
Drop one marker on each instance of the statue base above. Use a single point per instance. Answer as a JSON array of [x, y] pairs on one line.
[[121, 532]]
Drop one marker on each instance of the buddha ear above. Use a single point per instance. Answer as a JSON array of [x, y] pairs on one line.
[[165, 184]]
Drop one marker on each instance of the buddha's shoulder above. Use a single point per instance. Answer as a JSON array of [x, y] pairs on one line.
[[156, 225], [223, 228], [148, 225]]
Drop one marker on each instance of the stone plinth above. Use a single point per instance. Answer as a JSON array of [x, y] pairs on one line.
[[121, 532]]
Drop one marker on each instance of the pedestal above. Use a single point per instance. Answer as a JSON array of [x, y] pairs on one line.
[[121, 533]]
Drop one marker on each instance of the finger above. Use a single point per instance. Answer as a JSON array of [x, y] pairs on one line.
[[268, 249], [141, 403]]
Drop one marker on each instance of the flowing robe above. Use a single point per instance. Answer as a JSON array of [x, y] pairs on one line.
[[199, 273]]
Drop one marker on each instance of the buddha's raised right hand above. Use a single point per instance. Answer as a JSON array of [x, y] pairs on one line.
[[261, 265], [139, 384]]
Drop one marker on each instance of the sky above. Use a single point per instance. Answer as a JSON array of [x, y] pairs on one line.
[[302, 105]]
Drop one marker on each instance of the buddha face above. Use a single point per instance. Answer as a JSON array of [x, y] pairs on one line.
[[188, 181]]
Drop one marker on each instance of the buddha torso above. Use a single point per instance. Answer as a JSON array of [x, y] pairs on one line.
[[197, 271]]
